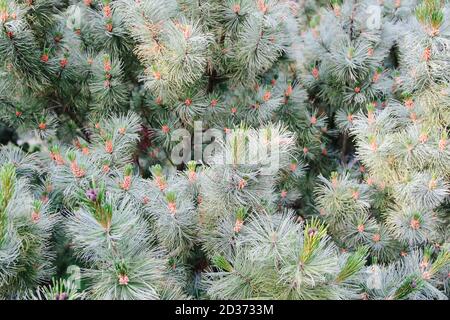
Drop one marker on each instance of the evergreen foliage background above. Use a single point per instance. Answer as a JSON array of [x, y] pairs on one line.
[[351, 98]]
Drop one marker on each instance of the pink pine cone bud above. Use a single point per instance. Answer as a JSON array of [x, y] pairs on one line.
[[238, 225], [126, 184], [76, 170], [123, 280], [172, 207], [192, 175], [35, 216]]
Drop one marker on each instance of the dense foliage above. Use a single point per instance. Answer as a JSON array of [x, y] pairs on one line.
[[224, 149]]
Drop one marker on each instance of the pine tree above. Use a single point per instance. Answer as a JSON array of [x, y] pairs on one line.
[[26, 225], [224, 149], [404, 145], [400, 204]]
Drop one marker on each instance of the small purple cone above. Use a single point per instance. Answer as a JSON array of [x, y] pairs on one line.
[[63, 296], [92, 195]]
